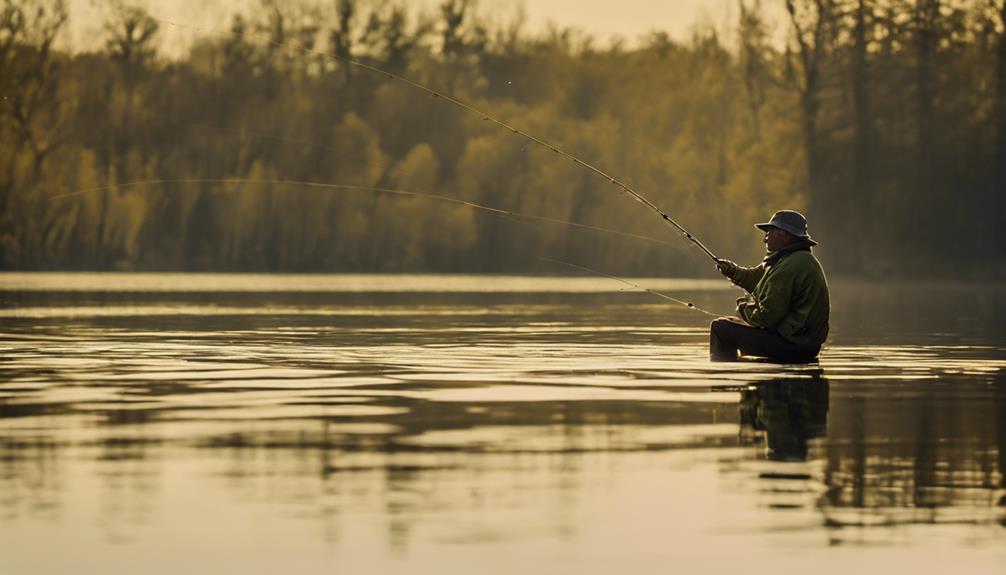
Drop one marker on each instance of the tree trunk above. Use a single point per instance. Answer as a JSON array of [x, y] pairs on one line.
[[862, 182], [923, 206], [752, 38], [809, 107], [810, 46], [861, 107], [100, 254], [342, 38], [999, 161]]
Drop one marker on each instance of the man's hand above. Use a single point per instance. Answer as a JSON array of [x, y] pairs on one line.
[[744, 303], [726, 267]]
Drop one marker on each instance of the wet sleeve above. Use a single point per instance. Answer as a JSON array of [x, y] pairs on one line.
[[748, 278], [773, 305]]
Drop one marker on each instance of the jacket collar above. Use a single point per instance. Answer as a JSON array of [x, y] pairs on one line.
[[804, 244]]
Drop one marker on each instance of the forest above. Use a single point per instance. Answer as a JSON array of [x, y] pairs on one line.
[[884, 121]]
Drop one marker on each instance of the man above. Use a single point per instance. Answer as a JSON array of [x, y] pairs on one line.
[[785, 316]]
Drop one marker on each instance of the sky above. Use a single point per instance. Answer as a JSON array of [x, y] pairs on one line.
[[604, 19]]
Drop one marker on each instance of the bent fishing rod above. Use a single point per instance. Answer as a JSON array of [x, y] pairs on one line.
[[477, 112]]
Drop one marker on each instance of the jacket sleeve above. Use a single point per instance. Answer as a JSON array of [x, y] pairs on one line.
[[773, 305], [748, 278]]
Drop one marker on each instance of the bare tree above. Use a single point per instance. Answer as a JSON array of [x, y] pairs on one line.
[[752, 60], [130, 35], [31, 120], [454, 13], [926, 15], [810, 20], [464, 38], [131, 32], [1000, 104], [341, 38], [238, 51], [12, 29], [862, 145], [29, 82], [388, 35]]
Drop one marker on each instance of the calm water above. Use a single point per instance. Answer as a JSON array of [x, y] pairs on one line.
[[360, 424]]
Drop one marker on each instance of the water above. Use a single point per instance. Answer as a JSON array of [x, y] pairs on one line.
[[367, 424]]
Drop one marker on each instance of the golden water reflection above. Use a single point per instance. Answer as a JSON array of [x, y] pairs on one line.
[[587, 435]]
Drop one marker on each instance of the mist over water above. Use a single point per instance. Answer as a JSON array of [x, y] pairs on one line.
[[378, 423]]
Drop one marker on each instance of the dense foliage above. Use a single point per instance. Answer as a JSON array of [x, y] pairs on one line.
[[884, 121]]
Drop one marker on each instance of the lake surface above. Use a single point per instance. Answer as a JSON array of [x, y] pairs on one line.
[[167, 423]]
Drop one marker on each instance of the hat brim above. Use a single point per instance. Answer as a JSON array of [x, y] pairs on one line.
[[768, 226]]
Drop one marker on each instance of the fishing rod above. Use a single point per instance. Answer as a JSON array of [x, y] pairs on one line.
[[478, 112], [689, 305], [349, 187]]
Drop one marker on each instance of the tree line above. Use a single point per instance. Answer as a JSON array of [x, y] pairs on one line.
[[885, 121]]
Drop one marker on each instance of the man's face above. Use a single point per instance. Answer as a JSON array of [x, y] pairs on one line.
[[776, 239]]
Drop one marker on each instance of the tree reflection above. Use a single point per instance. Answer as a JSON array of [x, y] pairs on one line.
[[933, 455]]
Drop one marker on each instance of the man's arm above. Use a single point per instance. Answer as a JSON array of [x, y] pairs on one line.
[[746, 278]]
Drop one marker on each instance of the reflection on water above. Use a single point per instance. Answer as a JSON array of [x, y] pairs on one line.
[[789, 412], [486, 432]]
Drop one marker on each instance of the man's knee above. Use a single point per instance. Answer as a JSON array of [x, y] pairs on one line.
[[725, 327], [721, 346]]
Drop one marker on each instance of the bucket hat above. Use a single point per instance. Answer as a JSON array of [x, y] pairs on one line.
[[787, 221]]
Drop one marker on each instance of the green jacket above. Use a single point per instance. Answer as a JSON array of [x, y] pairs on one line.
[[790, 298]]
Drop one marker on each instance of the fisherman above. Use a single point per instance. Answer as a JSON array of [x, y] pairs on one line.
[[784, 316]]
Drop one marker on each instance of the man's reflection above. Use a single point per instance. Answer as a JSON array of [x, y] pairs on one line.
[[790, 411]]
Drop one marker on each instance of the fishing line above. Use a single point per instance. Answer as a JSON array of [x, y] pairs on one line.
[[477, 112], [689, 305], [348, 187]]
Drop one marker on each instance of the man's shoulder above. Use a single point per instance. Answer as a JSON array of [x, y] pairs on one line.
[[802, 261], [803, 257]]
